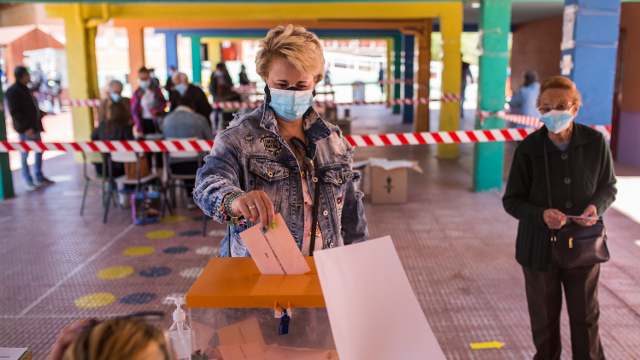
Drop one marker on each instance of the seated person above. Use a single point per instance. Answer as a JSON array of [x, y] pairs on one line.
[[117, 338], [185, 90], [185, 122], [115, 124]]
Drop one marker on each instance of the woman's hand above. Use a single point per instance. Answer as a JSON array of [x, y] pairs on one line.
[[68, 335], [554, 218], [591, 212], [255, 206]]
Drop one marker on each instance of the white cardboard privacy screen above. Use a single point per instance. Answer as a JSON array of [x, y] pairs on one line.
[[373, 311]]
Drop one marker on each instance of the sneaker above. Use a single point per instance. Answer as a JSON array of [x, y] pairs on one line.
[[30, 187], [190, 204], [43, 181]]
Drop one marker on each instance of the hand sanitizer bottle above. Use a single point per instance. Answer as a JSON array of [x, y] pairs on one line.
[[180, 333]]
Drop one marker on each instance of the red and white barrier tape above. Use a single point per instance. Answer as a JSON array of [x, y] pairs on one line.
[[441, 137], [244, 105], [535, 121], [248, 105]]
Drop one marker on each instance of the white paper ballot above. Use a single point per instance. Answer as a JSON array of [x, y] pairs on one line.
[[373, 311]]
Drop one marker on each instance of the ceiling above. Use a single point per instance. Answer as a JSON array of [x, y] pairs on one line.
[[520, 11]]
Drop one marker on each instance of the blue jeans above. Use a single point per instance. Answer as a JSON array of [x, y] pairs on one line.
[[25, 155]]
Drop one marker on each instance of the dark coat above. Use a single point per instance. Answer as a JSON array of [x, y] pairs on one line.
[[580, 176], [196, 97], [121, 132], [24, 109]]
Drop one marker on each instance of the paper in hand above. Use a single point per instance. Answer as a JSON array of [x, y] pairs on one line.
[[275, 252]]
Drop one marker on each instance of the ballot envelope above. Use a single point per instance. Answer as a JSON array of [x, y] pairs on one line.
[[235, 312]]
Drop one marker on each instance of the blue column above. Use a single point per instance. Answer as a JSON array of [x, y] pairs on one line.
[[589, 51], [409, 45], [171, 45]]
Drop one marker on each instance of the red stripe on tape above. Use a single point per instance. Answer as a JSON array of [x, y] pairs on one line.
[[437, 138], [367, 140], [454, 136], [93, 146], [109, 145], [489, 135], [403, 140]]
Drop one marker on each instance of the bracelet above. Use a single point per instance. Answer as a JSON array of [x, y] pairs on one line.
[[227, 203]]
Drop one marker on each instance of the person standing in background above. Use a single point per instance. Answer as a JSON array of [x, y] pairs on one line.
[[147, 104], [169, 84], [27, 121], [185, 90], [524, 102], [242, 77], [381, 78], [154, 79], [466, 79], [39, 85], [221, 89]]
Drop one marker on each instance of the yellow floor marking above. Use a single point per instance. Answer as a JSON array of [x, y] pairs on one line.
[[94, 300], [487, 345], [117, 272], [172, 219], [139, 250], [160, 234]]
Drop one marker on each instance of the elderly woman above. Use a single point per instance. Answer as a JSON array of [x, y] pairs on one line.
[[283, 158], [582, 184]]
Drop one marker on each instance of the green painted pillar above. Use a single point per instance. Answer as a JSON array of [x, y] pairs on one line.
[[196, 60], [6, 183], [397, 70], [494, 23]]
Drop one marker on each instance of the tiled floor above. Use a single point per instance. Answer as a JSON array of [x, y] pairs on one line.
[[457, 248]]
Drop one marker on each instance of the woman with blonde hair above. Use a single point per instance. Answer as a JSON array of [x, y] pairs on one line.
[[123, 338], [561, 173], [283, 158]]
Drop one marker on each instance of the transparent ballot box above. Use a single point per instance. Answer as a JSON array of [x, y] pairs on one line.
[[237, 313]]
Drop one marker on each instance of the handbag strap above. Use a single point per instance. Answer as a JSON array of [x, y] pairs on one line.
[[316, 205], [548, 178]]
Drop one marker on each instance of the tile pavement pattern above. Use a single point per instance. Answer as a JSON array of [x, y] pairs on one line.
[[456, 246]]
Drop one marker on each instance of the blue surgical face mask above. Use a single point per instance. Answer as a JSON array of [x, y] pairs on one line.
[[115, 97], [557, 120], [290, 105], [180, 88], [145, 83]]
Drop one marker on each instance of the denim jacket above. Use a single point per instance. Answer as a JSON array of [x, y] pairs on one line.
[[251, 155]]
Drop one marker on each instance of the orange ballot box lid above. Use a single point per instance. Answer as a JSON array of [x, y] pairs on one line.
[[237, 283]]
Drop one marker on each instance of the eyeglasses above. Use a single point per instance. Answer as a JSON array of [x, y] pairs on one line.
[[561, 106]]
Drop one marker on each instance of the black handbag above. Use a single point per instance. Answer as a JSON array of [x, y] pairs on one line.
[[575, 245]]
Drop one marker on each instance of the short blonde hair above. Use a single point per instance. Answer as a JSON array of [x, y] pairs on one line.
[[300, 47], [560, 82], [118, 338]]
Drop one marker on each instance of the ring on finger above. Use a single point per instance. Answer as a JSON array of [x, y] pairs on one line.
[[252, 207]]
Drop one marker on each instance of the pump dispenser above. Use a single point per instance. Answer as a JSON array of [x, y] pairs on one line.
[[179, 332]]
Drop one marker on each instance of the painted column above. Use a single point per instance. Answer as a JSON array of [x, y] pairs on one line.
[[136, 52], [214, 50], [196, 60], [451, 29], [409, 45], [6, 182], [389, 73], [424, 77], [494, 23], [397, 70], [589, 42], [83, 74], [171, 48]]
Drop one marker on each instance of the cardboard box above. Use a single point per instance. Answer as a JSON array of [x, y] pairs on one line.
[[388, 186]]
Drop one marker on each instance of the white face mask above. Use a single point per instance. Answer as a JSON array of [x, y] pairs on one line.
[[557, 121]]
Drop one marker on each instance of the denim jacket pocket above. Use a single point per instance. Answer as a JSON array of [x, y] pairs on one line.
[[269, 176], [336, 179], [267, 169]]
